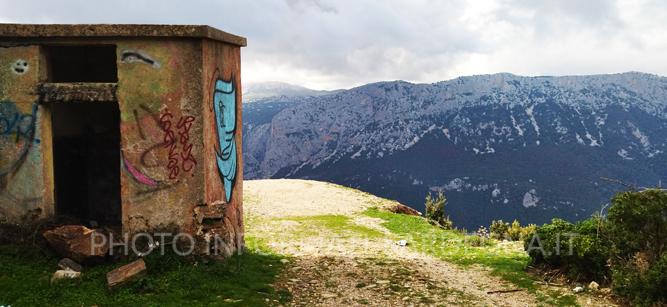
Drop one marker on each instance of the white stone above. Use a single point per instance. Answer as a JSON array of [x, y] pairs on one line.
[[593, 286], [64, 274]]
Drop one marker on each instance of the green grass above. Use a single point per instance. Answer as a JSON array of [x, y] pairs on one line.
[[341, 225], [242, 280], [452, 246]]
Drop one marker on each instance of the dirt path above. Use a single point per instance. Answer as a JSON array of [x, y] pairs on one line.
[[353, 260]]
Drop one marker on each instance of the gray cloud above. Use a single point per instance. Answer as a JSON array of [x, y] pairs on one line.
[[299, 5], [343, 43]]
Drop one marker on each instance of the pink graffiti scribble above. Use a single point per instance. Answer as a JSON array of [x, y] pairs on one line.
[[138, 176]]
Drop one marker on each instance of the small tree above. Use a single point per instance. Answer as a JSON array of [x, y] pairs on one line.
[[435, 210]]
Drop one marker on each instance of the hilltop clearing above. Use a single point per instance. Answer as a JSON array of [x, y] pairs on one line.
[[341, 248]]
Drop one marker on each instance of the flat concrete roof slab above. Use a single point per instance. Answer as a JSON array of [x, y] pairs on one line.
[[37, 31]]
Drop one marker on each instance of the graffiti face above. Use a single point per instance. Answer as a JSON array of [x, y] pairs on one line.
[[224, 106], [20, 67], [17, 134]]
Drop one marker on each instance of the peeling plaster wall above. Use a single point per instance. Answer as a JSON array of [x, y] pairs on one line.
[[26, 191], [159, 93]]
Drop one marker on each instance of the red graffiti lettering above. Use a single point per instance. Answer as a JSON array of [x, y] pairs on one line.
[[179, 160], [184, 125]]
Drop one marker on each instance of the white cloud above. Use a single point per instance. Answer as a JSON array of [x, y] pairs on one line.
[[328, 44]]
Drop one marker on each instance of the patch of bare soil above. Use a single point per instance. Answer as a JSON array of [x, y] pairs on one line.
[[294, 197]]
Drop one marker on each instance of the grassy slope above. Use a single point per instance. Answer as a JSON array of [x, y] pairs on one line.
[[172, 281], [246, 279]]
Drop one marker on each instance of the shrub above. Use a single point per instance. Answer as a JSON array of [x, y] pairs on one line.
[[482, 232], [575, 248], [514, 231], [498, 229], [447, 223], [630, 246], [643, 285], [638, 232], [638, 223], [477, 240], [435, 210], [527, 232]]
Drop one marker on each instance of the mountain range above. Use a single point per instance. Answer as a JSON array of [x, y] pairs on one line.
[[260, 90], [499, 146]]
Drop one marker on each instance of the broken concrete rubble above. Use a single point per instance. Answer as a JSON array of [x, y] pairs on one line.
[[126, 273], [77, 242], [69, 264], [64, 274]]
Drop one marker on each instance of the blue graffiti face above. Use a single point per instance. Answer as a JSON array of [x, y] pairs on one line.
[[224, 106]]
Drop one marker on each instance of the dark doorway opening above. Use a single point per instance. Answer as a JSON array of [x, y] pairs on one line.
[[86, 154]]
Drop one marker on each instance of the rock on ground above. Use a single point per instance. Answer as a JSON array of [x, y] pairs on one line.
[[64, 274], [69, 264], [76, 242], [126, 273]]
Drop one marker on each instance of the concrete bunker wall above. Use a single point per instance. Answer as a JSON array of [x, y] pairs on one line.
[[179, 102]]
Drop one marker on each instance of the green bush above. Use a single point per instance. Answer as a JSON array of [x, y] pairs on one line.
[[577, 249], [638, 223], [476, 240], [514, 231], [643, 285], [527, 232], [638, 233], [498, 229], [629, 247], [435, 210]]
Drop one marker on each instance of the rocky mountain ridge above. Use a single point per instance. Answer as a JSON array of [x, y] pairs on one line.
[[502, 145]]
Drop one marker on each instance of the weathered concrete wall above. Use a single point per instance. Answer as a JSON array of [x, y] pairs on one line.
[[159, 93], [181, 162], [223, 164], [26, 190]]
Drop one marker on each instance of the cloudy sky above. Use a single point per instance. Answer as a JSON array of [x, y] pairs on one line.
[[327, 44]]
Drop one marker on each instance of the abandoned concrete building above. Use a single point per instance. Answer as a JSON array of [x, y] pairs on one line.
[[132, 126]]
